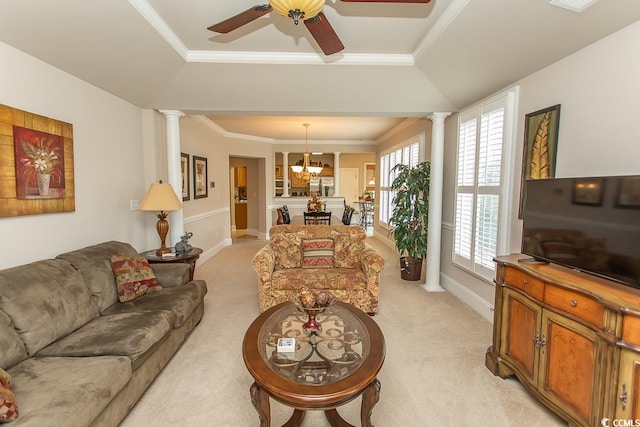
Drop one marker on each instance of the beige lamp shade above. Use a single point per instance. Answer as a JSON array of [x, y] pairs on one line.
[[160, 197]]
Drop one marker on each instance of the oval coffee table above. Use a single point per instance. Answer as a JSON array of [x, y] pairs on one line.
[[329, 367]]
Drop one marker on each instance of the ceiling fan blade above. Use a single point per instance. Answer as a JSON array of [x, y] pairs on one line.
[[387, 1], [324, 34], [240, 19]]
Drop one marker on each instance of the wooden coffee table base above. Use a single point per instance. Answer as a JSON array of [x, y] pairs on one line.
[[370, 396]]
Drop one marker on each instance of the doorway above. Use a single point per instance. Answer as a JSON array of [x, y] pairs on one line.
[[349, 185]]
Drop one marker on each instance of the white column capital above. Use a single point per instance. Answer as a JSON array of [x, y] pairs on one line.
[[173, 113], [439, 115]]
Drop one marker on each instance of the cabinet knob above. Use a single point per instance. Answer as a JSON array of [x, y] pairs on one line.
[[623, 397], [574, 303]]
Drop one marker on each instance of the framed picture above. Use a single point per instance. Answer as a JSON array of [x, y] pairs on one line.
[[36, 164], [184, 169], [540, 146], [628, 193], [588, 191], [200, 178]]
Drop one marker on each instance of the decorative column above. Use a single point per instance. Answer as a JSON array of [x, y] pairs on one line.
[[174, 173], [432, 283], [336, 174], [285, 174]]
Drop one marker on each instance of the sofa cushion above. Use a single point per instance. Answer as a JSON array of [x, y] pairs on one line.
[[348, 248], [181, 301], [8, 403], [318, 278], [45, 301], [134, 277], [288, 249], [94, 263], [12, 348], [67, 391], [124, 334], [317, 253]]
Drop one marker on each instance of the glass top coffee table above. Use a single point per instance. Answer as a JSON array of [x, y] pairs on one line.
[[328, 367]]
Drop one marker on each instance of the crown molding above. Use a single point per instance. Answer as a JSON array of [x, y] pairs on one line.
[[149, 13], [298, 58], [238, 57], [221, 131], [447, 17]]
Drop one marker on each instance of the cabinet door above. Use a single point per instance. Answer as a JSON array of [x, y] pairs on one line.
[[241, 176], [568, 368], [521, 328], [628, 393]]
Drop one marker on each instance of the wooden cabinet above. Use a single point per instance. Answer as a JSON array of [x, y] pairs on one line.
[[572, 338], [327, 171], [241, 216], [241, 176], [628, 392], [297, 182], [279, 172]]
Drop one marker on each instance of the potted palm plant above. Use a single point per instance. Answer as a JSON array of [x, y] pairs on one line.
[[410, 216]]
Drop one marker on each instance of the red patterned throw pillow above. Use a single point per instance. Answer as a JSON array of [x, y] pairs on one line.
[[8, 405], [134, 277], [317, 253]]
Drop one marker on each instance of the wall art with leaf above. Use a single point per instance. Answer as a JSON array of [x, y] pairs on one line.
[[540, 146]]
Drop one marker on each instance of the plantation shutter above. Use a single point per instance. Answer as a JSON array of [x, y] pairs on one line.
[[408, 154], [481, 141]]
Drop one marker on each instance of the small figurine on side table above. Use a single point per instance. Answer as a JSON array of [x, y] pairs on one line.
[[183, 245]]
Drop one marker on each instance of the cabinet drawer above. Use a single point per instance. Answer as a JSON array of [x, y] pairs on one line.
[[579, 305], [631, 329], [519, 280]]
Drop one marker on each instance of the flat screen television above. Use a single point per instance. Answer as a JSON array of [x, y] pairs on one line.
[[588, 224]]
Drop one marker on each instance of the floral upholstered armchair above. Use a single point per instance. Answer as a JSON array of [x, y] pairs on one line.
[[331, 258]]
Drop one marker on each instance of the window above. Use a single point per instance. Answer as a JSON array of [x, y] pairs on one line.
[[482, 185], [407, 153]]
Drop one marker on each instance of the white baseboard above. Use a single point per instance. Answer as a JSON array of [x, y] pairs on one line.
[[208, 254], [473, 300]]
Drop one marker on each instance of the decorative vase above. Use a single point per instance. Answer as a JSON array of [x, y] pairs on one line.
[[43, 183]]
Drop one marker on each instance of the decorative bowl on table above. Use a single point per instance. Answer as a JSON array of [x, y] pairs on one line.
[[313, 304]]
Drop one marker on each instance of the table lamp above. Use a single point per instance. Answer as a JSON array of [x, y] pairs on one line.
[[161, 197]]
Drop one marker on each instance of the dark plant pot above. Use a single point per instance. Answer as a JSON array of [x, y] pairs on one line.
[[410, 268]]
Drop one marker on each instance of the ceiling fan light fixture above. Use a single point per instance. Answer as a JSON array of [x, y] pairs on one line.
[[297, 9]]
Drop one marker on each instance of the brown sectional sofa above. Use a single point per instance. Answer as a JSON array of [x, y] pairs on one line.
[[76, 355], [353, 277]]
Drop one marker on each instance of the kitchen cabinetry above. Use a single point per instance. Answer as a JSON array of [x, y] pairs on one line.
[[278, 171], [297, 182], [241, 216], [326, 171], [562, 333], [241, 176]]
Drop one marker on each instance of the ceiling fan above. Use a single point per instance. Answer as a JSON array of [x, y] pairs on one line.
[[308, 11]]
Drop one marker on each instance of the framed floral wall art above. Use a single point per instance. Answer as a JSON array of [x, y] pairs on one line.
[[540, 146], [36, 164], [184, 169], [200, 188], [39, 160]]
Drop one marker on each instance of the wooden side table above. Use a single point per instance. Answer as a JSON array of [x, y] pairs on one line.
[[186, 258]]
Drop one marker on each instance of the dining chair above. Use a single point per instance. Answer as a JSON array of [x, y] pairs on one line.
[[315, 218]]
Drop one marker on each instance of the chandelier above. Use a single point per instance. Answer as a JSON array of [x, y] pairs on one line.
[[306, 171], [297, 9]]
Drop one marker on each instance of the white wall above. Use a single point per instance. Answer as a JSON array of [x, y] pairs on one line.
[[107, 159], [209, 218], [598, 89]]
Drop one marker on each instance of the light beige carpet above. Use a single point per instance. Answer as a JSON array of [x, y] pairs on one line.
[[433, 375]]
